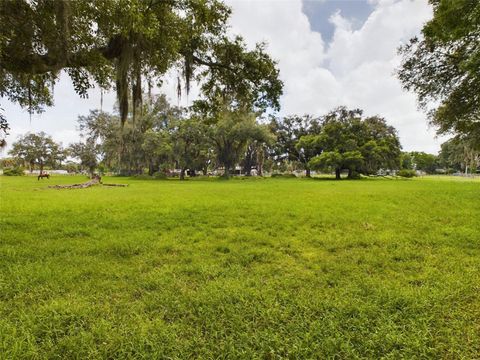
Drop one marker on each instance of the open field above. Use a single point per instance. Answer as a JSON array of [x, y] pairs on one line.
[[274, 268]]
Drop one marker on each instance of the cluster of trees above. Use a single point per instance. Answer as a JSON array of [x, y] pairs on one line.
[[459, 154], [456, 155], [443, 69], [422, 161], [341, 140], [166, 137]]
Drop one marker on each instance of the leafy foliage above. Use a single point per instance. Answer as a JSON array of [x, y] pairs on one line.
[[38, 149], [407, 173], [87, 152], [349, 142], [169, 140], [444, 67], [167, 137], [128, 44], [289, 130], [459, 154], [3, 129], [190, 144], [14, 171], [425, 162], [231, 132]]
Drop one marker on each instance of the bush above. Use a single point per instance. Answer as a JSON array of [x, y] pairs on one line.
[[160, 175], [354, 175], [15, 171], [284, 176], [407, 173]]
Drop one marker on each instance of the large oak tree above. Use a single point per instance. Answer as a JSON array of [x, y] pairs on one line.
[[38, 149], [130, 45], [443, 67], [349, 141]]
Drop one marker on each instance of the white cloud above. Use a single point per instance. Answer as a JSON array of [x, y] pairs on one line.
[[59, 121], [356, 69]]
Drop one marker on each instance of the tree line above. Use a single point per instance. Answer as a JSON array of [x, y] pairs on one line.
[[166, 138]]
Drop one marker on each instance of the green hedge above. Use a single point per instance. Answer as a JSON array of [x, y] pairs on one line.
[[407, 173], [15, 171]]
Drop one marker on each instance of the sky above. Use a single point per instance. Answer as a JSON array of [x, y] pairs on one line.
[[330, 53]]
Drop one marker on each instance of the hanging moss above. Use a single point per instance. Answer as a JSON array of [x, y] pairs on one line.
[[136, 83], [188, 71], [122, 66]]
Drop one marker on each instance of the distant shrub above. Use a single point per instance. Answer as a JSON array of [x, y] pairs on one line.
[[15, 171], [284, 176], [407, 173], [355, 175], [160, 175]]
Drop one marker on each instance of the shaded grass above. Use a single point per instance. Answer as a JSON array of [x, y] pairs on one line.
[[279, 268]]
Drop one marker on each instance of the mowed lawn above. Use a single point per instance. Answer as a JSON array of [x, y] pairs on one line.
[[240, 269]]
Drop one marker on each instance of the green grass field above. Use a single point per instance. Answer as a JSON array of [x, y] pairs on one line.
[[270, 269]]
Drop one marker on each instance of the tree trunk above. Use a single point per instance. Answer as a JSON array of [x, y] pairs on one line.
[[150, 168], [260, 160], [182, 174], [248, 164], [226, 174], [308, 172], [337, 174], [41, 167], [192, 173], [350, 172]]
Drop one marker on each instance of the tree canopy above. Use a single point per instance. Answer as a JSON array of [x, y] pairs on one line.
[[131, 45], [38, 149], [458, 154], [289, 131], [87, 152], [443, 67], [348, 141], [167, 138], [231, 132]]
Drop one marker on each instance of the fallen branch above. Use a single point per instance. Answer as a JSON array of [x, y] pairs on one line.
[[95, 181]]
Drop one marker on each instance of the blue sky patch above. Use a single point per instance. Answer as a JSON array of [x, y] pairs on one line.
[[319, 11]]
